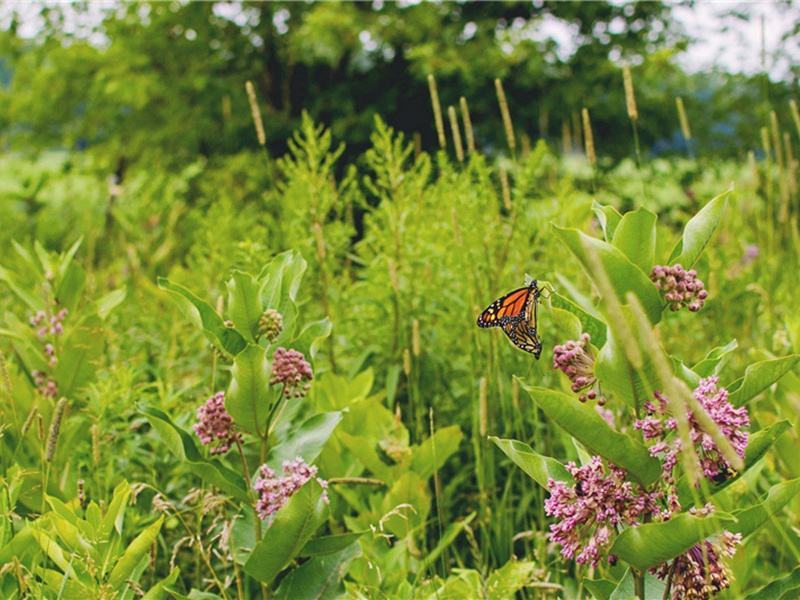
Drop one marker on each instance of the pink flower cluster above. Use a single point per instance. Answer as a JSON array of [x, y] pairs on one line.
[[576, 361], [290, 368], [700, 573], [275, 491], [45, 384], [679, 287], [589, 513], [47, 326], [731, 422], [214, 423]]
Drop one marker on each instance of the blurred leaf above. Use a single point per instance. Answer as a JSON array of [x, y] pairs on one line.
[[698, 232], [305, 441], [581, 421], [600, 589], [623, 275], [134, 553], [182, 445], [635, 236], [785, 588], [652, 544], [609, 218], [244, 304], [446, 538], [750, 519], [319, 578], [105, 304], [713, 361], [653, 587], [311, 336], [205, 318], [430, 455], [31, 300], [758, 377], [539, 468], [158, 591], [589, 323], [250, 397], [329, 544], [512, 577], [80, 356], [295, 523]]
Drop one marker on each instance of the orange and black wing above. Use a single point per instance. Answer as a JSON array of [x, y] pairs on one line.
[[509, 308], [524, 337]]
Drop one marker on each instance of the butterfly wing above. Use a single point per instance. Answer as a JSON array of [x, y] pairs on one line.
[[516, 313], [524, 337], [507, 309]]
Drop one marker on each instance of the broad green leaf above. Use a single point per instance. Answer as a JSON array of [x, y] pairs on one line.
[[758, 377], [244, 304], [609, 218], [581, 421], [182, 445], [509, 579], [80, 356], [712, 362], [698, 232], [652, 544], [750, 519], [250, 397], [635, 236], [66, 259], [539, 468], [134, 553], [311, 337], [34, 302], [623, 275], [204, 317], [625, 590], [319, 578], [280, 280], [193, 595], [429, 456], [566, 324], [69, 290], [294, 524], [105, 304], [589, 323], [115, 510], [305, 441], [600, 589], [785, 588], [158, 591], [329, 544]]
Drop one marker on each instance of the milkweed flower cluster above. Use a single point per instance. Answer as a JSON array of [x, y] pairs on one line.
[[730, 421], [275, 491], [575, 359], [290, 368], [48, 327], [51, 326], [270, 325], [214, 423], [589, 513], [700, 573], [679, 287]]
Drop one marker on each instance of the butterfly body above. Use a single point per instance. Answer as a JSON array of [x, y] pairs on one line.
[[516, 313]]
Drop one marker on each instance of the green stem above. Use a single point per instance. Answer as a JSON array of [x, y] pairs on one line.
[[638, 584]]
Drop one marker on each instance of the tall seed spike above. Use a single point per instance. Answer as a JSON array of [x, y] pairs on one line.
[[437, 111], [509, 127]]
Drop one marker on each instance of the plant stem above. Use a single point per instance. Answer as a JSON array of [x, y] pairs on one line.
[[638, 584]]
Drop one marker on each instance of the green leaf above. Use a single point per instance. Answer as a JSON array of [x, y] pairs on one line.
[[320, 578], [294, 524], [450, 534], [105, 304], [652, 544], [70, 288], [750, 519], [158, 591], [625, 590], [34, 302], [623, 275], [600, 589], [539, 468], [589, 323], [432, 453], [509, 579], [134, 554], [115, 510], [250, 397], [635, 236], [758, 377], [581, 421], [328, 544], [182, 445], [712, 362], [305, 441], [785, 588], [609, 218], [698, 232], [244, 304], [312, 336], [204, 317], [80, 356]]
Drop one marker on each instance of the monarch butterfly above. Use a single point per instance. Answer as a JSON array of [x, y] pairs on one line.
[[516, 313]]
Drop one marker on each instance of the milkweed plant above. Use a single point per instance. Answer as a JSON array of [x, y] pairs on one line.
[[659, 441]]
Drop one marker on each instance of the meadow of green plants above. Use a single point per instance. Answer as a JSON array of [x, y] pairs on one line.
[[250, 375]]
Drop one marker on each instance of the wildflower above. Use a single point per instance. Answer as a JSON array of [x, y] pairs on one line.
[[45, 384], [51, 326], [590, 512], [270, 325], [700, 572], [290, 368], [679, 287], [576, 361], [214, 422], [730, 421], [275, 491]]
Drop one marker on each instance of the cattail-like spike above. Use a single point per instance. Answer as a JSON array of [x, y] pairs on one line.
[[687, 133], [5, 375], [506, 189], [501, 99], [406, 362], [467, 125], [415, 345], [55, 429], [588, 138], [26, 426], [630, 99], [795, 116], [251, 97], [437, 111], [40, 426], [765, 143], [776, 138], [483, 408], [566, 138], [316, 228], [791, 165], [451, 113], [95, 431]]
